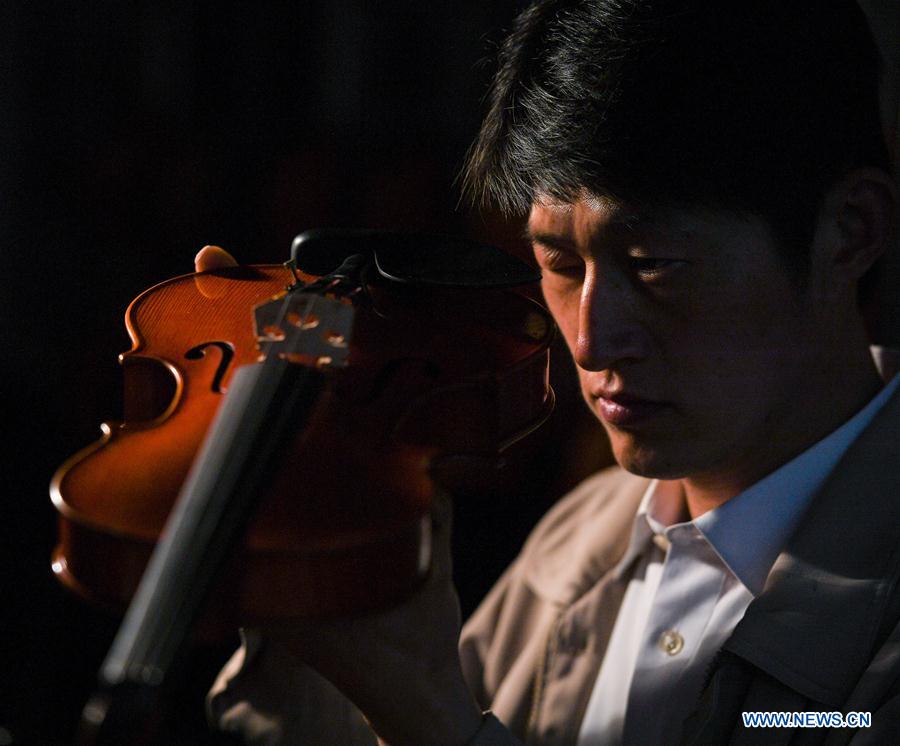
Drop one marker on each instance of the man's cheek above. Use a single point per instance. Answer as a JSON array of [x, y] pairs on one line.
[[569, 333]]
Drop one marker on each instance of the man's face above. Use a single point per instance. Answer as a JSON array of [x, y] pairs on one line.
[[689, 337]]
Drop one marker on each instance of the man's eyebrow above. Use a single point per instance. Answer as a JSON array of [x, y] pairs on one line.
[[547, 239], [632, 220]]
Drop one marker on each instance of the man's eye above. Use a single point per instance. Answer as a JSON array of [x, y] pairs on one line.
[[558, 262], [650, 267], [569, 269]]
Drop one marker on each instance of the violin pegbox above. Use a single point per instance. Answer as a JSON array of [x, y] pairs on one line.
[[305, 328]]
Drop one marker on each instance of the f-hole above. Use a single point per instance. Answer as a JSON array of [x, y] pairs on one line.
[[227, 353]]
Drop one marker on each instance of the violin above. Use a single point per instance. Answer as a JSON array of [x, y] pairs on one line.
[[286, 429]]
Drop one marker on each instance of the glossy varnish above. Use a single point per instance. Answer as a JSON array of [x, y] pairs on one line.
[[436, 378]]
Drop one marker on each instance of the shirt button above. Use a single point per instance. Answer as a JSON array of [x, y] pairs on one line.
[[671, 642]]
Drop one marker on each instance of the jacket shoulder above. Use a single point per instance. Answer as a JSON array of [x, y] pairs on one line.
[[583, 535], [580, 537]]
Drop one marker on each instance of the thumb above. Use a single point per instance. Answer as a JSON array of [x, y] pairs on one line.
[[213, 257]]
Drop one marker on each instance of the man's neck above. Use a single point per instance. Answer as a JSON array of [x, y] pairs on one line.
[[829, 399]]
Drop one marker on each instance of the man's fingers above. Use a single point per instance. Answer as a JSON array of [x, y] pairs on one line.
[[213, 257]]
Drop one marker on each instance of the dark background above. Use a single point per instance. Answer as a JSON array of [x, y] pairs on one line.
[[133, 133]]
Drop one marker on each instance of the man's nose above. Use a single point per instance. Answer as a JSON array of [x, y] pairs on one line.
[[610, 331]]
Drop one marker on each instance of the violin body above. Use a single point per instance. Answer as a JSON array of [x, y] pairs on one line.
[[436, 377]]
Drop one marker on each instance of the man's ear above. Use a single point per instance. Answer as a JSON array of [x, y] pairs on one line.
[[856, 223]]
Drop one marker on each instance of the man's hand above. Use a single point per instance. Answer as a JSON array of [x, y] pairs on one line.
[[400, 667]]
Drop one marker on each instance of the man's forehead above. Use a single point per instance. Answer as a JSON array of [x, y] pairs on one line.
[[586, 201], [593, 215], [550, 215]]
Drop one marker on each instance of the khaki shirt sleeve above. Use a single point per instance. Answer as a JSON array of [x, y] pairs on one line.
[[477, 637], [266, 701], [499, 649]]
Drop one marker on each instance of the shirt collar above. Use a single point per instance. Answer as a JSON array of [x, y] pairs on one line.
[[750, 530], [641, 532]]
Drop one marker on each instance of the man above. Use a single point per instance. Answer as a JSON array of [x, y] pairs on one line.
[[708, 191]]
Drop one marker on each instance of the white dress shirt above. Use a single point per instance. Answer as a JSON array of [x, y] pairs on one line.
[[690, 583]]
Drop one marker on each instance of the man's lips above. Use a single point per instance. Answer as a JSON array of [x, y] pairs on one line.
[[624, 409]]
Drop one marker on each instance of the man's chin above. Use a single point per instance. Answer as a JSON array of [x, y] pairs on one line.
[[646, 461]]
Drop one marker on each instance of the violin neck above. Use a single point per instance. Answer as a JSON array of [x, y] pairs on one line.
[[264, 403]]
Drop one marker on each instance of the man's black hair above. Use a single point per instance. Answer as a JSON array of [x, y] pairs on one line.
[[752, 107]]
